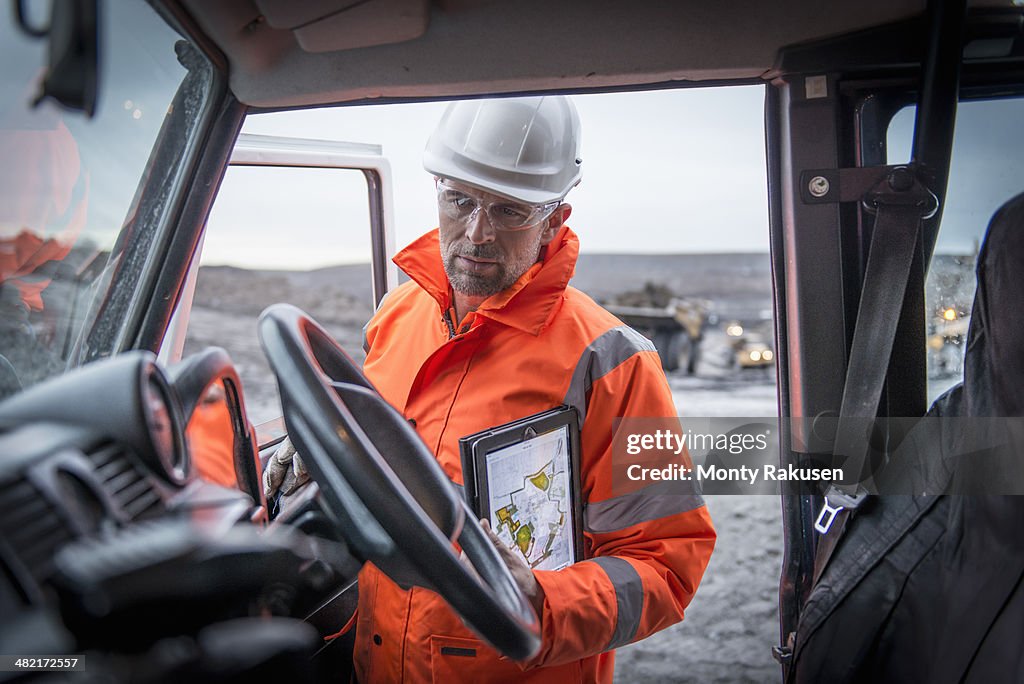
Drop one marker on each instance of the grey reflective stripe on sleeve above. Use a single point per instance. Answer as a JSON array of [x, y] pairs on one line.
[[629, 598], [650, 503], [601, 357]]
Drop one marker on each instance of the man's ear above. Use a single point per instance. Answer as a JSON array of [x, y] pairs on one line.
[[555, 223]]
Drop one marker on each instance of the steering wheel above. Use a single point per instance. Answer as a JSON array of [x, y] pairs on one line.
[[392, 502]]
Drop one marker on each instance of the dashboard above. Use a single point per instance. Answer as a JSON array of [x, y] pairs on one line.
[[111, 545]]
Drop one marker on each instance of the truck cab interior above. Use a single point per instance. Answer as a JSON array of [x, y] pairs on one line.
[[117, 124]]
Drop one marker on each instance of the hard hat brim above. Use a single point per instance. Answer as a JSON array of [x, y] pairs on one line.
[[470, 173]]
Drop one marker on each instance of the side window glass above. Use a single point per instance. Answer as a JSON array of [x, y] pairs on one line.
[[987, 169], [70, 209], [281, 234]]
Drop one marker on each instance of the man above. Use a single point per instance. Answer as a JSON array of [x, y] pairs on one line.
[[488, 331]]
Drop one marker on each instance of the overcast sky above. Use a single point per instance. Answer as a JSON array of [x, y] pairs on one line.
[[668, 171], [663, 172]]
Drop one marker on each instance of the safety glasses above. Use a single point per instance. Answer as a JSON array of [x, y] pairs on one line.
[[506, 215]]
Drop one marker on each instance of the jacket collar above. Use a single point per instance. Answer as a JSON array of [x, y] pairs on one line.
[[527, 305]]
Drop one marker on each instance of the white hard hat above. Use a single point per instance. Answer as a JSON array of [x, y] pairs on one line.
[[525, 148]]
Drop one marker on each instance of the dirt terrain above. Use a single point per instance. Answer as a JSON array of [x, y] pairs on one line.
[[732, 623]]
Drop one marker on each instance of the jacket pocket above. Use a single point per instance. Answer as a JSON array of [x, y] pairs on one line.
[[458, 659]]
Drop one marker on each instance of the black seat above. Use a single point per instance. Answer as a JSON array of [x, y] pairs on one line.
[[931, 588], [982, 573]]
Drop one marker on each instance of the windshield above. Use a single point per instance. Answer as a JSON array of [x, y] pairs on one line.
[[69, 185]]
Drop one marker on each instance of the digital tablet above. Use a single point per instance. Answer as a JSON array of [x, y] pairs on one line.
[[524, 478]]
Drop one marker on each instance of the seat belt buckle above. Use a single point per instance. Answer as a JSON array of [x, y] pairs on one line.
[[835, 501], [784, 654], [826, 516]]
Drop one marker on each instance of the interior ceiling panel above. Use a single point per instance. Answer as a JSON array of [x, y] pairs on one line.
[[332, 25], [379, 22], [288, 14], [465, 47]]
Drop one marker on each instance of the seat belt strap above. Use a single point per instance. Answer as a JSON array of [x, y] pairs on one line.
[[901, 204]]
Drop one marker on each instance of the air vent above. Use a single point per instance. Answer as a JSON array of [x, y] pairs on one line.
[[33, 528], [125, 482]]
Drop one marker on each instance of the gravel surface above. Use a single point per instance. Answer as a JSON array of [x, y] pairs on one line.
[[732, 623]]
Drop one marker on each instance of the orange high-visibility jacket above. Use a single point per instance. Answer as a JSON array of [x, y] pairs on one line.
[[46, 201], [535, 346], [211, 439]]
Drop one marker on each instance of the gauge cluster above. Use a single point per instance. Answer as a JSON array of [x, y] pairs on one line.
[[163, 418], [128, 399], [101, 449], [112, 546]]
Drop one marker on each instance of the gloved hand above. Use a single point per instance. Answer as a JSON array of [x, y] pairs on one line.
[[285, 471]]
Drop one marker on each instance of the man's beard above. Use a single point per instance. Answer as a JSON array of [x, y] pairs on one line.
[[506, 273]]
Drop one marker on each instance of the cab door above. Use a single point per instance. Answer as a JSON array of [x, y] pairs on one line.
[[304, 221]]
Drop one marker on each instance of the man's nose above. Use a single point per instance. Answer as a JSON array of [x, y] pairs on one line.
[[480, 231]]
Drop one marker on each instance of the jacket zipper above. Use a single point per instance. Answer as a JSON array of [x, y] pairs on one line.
[[447, 317]]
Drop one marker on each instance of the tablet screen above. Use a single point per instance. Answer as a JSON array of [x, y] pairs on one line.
[[529, 499]]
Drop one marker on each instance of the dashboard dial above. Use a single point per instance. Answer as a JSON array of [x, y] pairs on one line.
[[163, 424]]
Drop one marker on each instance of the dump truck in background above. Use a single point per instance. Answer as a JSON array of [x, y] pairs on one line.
[[674, 324]]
